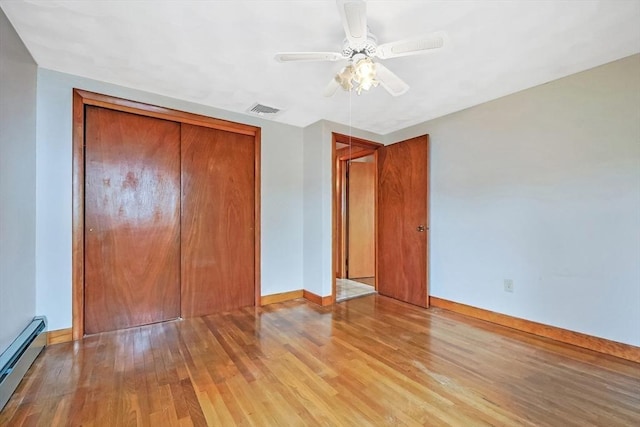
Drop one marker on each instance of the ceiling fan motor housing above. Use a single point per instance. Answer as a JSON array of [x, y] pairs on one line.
[[368, 49]]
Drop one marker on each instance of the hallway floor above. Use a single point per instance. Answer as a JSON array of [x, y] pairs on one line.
[[347, 289]]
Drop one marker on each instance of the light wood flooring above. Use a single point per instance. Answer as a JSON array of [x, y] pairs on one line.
[[367, 361]]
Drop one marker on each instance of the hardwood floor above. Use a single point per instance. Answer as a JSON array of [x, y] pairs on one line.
[[367, 361]]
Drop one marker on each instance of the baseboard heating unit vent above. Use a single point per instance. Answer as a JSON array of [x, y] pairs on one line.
[[16, 359]]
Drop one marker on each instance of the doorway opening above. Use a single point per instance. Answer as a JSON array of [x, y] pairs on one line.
[[400, 216], [354, 214]]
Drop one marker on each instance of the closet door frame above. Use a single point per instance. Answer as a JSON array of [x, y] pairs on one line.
[[81, 98]]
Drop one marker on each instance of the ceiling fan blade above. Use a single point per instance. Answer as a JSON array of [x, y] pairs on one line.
[[331, 88], [388, 80], [354, 20], [411, 46], [308, 56]]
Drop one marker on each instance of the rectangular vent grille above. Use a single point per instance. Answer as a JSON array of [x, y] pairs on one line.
[[263, 110]]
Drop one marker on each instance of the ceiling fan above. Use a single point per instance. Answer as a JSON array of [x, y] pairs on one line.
[[360, 48]]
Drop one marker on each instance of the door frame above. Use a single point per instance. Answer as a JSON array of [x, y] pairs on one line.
[[81, 98], [357, 148]]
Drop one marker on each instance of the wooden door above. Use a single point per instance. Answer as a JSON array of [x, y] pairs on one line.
[[361, 254], [403, 221], [132, 220], [218, 209]]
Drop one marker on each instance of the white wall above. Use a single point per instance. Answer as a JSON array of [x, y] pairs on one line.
[[17, 184], [543, 187], [318, 185], [281, 225], [317, 210]]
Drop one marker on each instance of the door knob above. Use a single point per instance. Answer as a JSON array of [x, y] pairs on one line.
[[421, 228]]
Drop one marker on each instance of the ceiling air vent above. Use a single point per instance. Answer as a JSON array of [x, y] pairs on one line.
[[263, 110]]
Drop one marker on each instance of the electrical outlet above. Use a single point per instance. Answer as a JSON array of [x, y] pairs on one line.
[[508, 285]]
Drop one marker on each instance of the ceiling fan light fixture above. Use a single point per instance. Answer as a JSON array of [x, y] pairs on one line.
[[345, 77], [362, 76], [365, 74], [360, 47]]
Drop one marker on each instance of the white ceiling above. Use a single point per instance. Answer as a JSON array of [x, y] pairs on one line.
[[220, 53]]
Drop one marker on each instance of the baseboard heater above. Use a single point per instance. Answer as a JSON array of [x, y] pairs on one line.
[[16, 360]]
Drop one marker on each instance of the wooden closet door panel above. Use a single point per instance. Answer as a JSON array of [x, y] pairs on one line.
[[218, 175], [402, 220], [132, 220]]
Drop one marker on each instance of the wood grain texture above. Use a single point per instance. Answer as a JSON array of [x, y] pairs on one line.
[[257, 203], [281, 297], [127, 106], [132, 220], [365, 362], [317, 299], [371, 281], [348, 152], [59, 336], [377, 219], [77, 228], [339, 220], [601, 345], [82, 98], [218, 225], [402, 207], [354, 141], [361, 219]]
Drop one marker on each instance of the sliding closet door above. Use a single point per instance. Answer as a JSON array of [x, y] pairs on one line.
[[132, 220], [218, 208]]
